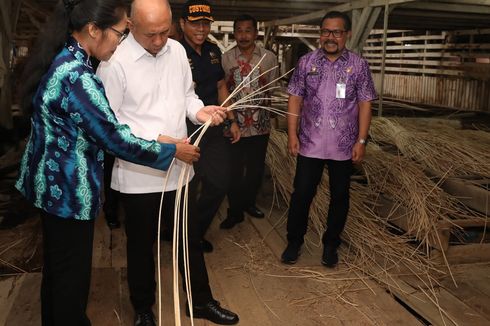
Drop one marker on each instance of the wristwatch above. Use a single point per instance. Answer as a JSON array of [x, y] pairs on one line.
[[362, 141]]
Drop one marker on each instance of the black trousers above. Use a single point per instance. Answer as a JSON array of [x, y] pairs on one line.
[[141, 211], [67, 245], [247, 171], [212, 178], [111, 199], [308, 176]]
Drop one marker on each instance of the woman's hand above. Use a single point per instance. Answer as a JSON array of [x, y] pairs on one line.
[[187, 153]]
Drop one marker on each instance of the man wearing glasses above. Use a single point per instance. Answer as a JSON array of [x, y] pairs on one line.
[[213, 168], [331, 90]]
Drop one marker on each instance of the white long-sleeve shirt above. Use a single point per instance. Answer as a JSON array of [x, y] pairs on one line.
[[153, 95]]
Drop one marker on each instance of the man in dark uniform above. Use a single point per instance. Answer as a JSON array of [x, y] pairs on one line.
[[213, 169]]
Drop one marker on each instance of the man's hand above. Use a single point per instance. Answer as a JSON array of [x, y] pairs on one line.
[[293, 144], [217, 113], [187, 153], [235, 132], [358, 152]]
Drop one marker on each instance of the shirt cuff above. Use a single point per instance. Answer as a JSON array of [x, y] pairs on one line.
[[192, 110]]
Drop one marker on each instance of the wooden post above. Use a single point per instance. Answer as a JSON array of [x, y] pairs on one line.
[[5, 47], [383, 60]]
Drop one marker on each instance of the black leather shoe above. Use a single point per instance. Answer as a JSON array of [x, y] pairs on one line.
[[255, 212], [145, 319], [230, 222], [330, 257], [290, 254], [206, 246], [213, 312]]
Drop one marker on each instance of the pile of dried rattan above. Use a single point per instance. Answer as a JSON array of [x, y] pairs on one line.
[[372, 247], [440, 149]]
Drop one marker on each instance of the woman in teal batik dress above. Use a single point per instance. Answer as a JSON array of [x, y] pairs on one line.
[[71, 125]]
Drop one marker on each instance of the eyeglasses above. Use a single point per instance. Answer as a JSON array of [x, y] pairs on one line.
[[336, 33], [122, 35]]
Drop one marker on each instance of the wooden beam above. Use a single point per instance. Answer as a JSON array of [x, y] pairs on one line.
[[360, 26], [464, 254], [355, 17], [254, 5], [450, 7], [397, 216], [471, 195], [383, 60], [367, 30], [15, 14], [308, 44], [5, 9], [40, 10], [351, 5], [34, 21], [3, 66], [218, 42], [466, 2], [477, 31]]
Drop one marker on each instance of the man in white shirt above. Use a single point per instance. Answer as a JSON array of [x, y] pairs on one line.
[[149, 84]]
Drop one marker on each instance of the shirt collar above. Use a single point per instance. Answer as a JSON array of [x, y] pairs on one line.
[[344, 57], [137, 51], [78, 52], [190, 49], [257, 52]]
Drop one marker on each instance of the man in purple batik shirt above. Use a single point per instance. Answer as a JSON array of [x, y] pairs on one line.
[[330, 94]]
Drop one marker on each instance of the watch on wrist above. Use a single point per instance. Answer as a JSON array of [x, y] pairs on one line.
[[362, 141]]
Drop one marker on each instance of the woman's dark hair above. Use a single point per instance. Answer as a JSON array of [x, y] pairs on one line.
[[338, 14], [245, 18], [68, 16]]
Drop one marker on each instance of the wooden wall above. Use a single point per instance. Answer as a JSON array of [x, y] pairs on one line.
[[465, 94], [450, 69]]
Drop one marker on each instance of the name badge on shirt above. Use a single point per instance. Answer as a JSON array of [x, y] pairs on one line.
[[340, 90], [313, 71]]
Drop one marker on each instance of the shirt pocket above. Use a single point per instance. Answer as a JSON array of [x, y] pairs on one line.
[[350, 89], [312, 83]]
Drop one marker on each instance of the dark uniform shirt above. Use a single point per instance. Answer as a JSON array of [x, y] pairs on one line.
[[206, 73]]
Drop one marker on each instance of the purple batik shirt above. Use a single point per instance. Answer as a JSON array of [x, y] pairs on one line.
[[329, 126]]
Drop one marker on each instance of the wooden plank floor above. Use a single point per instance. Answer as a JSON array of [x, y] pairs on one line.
[[247, 277]]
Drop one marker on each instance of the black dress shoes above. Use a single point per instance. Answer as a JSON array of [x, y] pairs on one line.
[[290, 254], [255, 212], [330, 257], [230, 222], [145, 319], [213, 312]]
